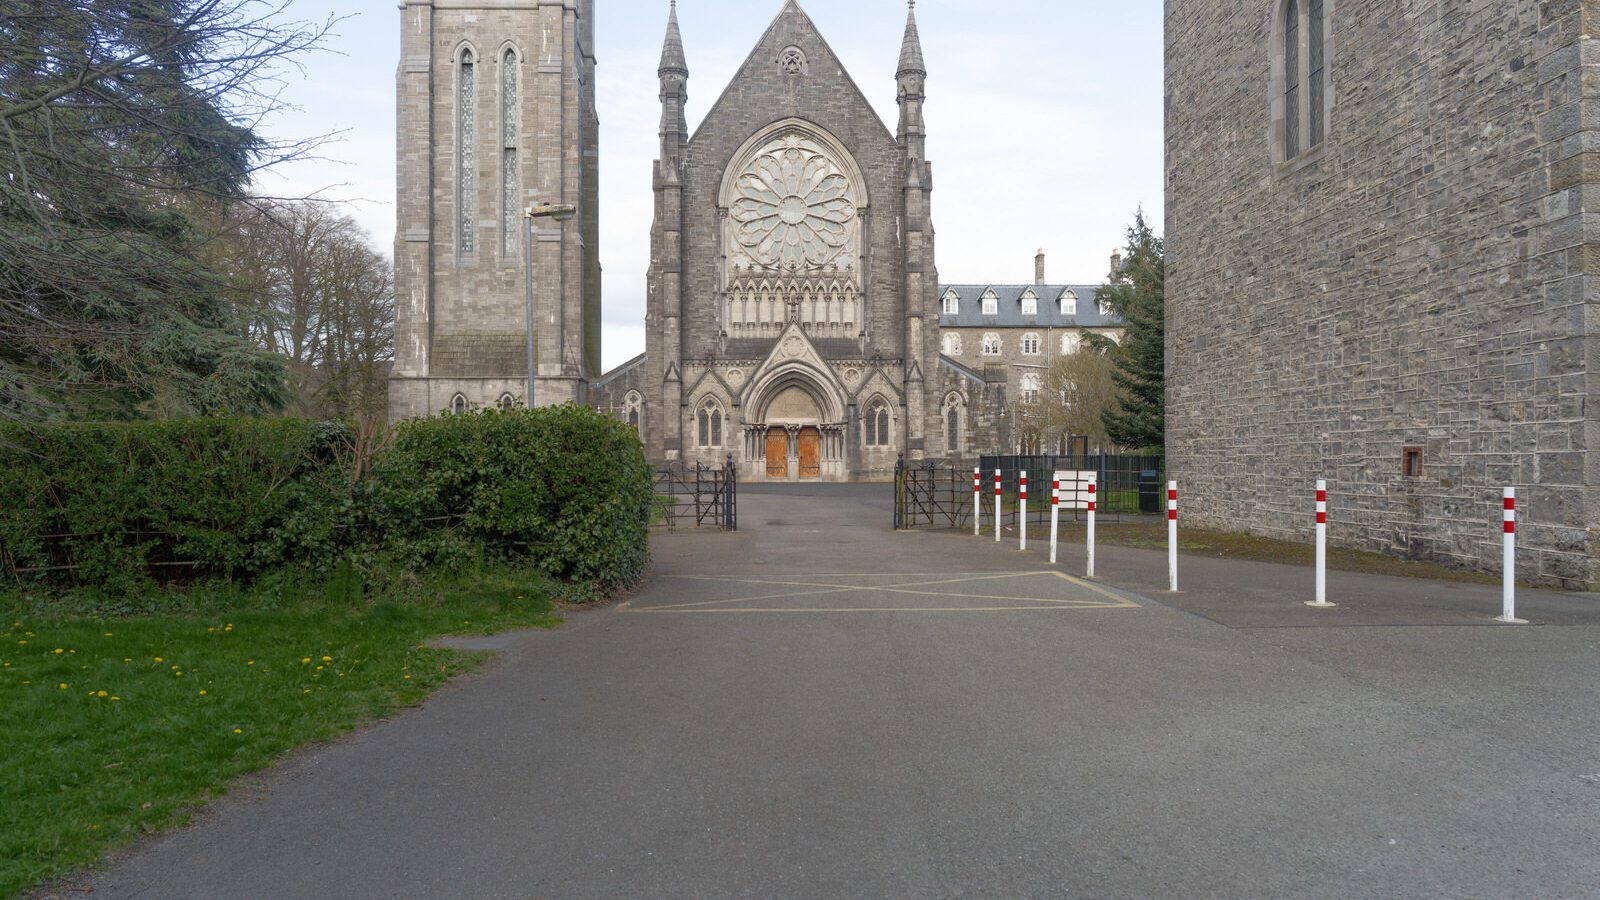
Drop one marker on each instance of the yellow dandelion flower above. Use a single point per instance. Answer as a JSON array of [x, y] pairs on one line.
[[327, 659], [64, 685], [59, 651], [115, 699], [250, 662], [211, 631], [101, 694], [320, 668], [202, 693], [306, 661], [159, 659], [238, 731], [108, 634], [177, 674], [408, 677]]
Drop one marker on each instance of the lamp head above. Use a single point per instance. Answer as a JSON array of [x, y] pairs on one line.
[[561, 212]]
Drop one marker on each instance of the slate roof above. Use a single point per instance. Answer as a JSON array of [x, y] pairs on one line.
[[1010, 307]]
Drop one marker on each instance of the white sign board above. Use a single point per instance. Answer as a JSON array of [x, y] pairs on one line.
[[1075, 488]]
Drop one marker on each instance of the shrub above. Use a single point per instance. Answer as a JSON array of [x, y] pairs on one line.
[[565, 486], [120, 506]]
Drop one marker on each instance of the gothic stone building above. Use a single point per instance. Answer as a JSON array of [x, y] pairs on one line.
[[496, 113], [1383, 263], [793, 300]]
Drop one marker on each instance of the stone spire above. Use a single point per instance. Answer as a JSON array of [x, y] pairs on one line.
[[911, 77], [911, 48], [674, 74], [672, 59]]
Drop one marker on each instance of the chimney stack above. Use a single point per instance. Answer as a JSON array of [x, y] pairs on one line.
[[1116, 264], [1038, 267]]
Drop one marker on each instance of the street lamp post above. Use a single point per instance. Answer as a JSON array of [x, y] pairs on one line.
[[560, 212]]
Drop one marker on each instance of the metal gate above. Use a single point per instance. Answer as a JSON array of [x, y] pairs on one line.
[[699, 496], [928, 495]]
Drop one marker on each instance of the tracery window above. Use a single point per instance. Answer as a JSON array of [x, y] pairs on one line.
[[1030, 344], [710, 424], [991, 303], [952, 303], [1030, 303], [633, 406], [795, 203], [991, 344], [954, 414], [510, 156], [466, 152], [793, 61], [1069, 303], [507, 402], [1070, 342], [1030, 388], [1301, 67], [458, 404], [952, 344], [877, 430]]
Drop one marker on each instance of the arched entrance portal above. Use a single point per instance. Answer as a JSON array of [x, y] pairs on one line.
[[797, 434]]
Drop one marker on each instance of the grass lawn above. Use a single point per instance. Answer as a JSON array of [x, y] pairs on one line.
[[113, 728]]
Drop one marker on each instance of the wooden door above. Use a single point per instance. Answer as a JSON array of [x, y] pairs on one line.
[[810, 453], [777, 453]]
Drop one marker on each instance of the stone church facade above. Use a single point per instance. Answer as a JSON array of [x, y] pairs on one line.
[[1383, 259], [793, 299], [496, 112]]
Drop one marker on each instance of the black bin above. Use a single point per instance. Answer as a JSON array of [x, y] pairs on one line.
[[1149, 492]]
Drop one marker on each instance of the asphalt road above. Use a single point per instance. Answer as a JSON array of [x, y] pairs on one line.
[[819, 707]]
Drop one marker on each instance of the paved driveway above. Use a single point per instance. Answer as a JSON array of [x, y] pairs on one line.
[[819, 707]]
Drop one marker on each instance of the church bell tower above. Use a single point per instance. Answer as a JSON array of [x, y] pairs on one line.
[[496, 113]]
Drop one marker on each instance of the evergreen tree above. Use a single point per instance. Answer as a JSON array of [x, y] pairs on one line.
[[1136, 292], [122, 128]]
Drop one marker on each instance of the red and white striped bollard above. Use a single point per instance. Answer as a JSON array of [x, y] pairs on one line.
[[1322, 547], [997, 506], [1508, 598], [977, 501], [1172, 536], [1022, 527], [1093, 502], [1055, 516]]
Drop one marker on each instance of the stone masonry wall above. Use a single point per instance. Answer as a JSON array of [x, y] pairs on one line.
[[1425, 280]]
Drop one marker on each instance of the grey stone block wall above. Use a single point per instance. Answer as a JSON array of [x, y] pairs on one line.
[[1425, 279]]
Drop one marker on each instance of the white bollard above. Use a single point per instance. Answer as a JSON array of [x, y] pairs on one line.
[[1172, 536], [1055, 516], [1508, 598], [977, 502], [1093, 497], [1322, 548], [1022, 513], [997, 518]]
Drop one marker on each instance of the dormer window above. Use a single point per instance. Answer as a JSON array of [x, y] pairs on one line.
[[1105, 307], [1030, 303], [952, 303], [991, 303], [1069, 303]]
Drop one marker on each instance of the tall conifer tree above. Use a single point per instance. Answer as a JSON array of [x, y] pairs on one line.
[[1136, 292]]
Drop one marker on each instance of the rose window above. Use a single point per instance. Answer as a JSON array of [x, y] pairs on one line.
[[793, 208]]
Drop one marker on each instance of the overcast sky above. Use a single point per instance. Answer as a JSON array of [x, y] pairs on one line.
[[1044, 123]]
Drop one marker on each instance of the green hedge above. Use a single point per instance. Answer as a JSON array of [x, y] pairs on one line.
[[564, 485], [121, 507]]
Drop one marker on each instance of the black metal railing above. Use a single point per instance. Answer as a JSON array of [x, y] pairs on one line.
[[939, 495], [700, 496]]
